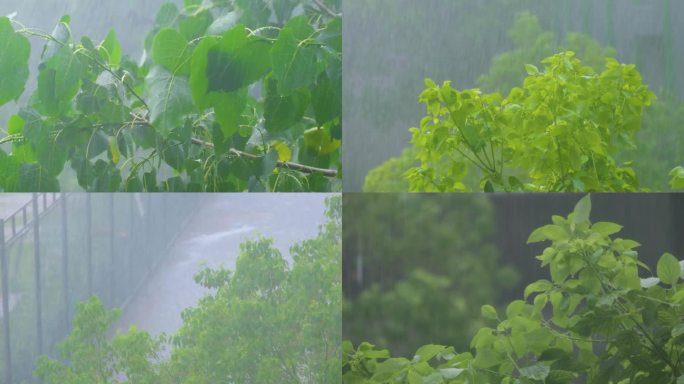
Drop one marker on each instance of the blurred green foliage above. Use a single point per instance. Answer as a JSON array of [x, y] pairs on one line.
[[659, 143], [531, 43], [400, 289], [388, 176]]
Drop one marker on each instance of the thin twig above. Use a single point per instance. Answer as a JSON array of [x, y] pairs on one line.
[[279, 164], [325, 8]]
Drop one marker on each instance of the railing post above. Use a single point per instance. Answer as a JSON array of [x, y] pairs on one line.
[[147, 231], [113, 271], [37, 275], [132, 244], [65, 261], [89, 243], [586, 15], [669, 52], [5, 305]]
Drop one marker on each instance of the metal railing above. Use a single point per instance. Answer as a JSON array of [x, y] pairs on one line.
[[59, 249]]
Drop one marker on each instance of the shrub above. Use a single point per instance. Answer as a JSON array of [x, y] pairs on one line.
[[596, 321]]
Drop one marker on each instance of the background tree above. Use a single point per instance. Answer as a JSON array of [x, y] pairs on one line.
[[410, 265]]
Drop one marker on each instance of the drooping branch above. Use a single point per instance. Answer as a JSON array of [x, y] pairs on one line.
[[325, 8], [280, 164]]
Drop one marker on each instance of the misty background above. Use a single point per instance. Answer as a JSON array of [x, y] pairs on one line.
[[391, 46]]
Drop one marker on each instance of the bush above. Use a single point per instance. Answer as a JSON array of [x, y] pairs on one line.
[[596, 321]]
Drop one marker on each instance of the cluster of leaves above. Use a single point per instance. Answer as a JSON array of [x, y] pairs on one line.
[[558, 132], [659, 139], [232, 95], [392, 276], [264, 322], [595, 321]]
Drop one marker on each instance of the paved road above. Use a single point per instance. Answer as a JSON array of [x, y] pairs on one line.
[[212, 238]]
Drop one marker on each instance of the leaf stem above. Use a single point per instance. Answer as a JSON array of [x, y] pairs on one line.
[[324, 8], [280, 164]]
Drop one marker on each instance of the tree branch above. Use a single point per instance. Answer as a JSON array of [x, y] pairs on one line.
[[280, 164], [324, 8]]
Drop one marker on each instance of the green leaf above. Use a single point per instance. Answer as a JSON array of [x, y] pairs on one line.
[[169, 100], [144, 136], [606, 228], [170, 50], [236, 61], [13, 62], [548, 232], [450, 373], [649, 282], [58, 82], [537, 371], [173, 154], [167, 15], [680, 379], [191, 4], [582, 210], [320, 141], [221, 66], [34, 178], [228, 108], [389, 368], [427, 352], [195, 26], [489, 312], [61, 35], [293, 58], [327, 99], [537, 286], [282, 112], [531, 70], [110, 49], [678, 330], [677, 178], [268, 162], [223, 23], [668, 269]]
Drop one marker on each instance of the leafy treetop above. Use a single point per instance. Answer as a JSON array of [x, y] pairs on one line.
[[558, 132]]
